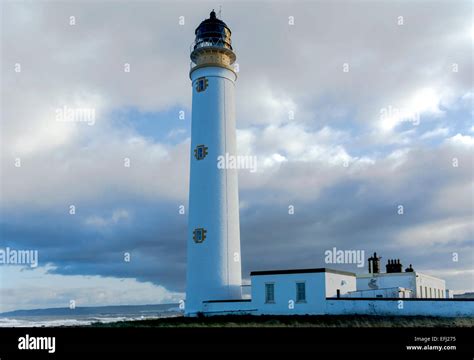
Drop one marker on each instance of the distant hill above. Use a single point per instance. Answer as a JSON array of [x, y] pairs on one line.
[[468, 295], [95, 310]]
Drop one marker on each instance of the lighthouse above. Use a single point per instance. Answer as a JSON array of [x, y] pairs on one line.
[[213, 240]]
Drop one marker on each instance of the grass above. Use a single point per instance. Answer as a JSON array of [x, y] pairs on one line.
[[325, 321]]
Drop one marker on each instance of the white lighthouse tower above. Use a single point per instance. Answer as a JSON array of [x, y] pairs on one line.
[[213, 246]]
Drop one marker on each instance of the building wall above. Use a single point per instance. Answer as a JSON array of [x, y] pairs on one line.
[[229, 308], [285, 293], [408, 307], [413, 307], [395, 292], [408, 280], [385, 281], [317, 286], [341, 282], [322, 285], [431, 287]]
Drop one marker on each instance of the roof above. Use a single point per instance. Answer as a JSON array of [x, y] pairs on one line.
[[211, 22], [370, 275], [301, 271]]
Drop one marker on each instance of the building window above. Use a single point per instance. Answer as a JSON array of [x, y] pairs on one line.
[[421, 291], [426, 291], [199, 235], [269, 293], [300, 292], [200, 152], [201, 84]]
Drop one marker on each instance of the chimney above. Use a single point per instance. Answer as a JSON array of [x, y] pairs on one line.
[[394, 266]]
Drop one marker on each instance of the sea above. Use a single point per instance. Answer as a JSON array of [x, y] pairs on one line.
[[80, 316]]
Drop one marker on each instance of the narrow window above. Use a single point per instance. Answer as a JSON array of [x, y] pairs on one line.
[[269, 293], [201, 84], [421, 292], [300, 292], [200, 152], [199, 235]]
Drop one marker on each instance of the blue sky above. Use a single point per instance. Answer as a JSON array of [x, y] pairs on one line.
[[390, 160]]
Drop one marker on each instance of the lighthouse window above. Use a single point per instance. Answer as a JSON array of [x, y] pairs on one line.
[[199, 235], [200, 152], [300, 292], [269, 293], [201, 84]]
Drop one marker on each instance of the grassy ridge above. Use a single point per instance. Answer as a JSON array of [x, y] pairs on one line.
[[362, 321]]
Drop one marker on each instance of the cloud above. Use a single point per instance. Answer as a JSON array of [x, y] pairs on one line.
[[39, 289], [117, 216], [438, 132], [461, 140], [436, 233]]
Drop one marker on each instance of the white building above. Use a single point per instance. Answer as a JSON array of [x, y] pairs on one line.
[[214, 280], [325, 291], [298, 291], [420, 285]]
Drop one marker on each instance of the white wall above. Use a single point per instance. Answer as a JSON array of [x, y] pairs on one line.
[[318, 286], [285, 293], [229, 308], [395, 292], [411, 307], [408, 280], [432, 287], [342, 282], [384, 281]]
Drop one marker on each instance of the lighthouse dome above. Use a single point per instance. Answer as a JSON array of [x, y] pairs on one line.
[[213, 32]]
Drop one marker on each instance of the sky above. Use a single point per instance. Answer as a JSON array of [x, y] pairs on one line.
[[354, 110]]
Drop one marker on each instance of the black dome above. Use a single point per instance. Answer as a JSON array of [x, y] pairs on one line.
[[211, 27], [212, 33]]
